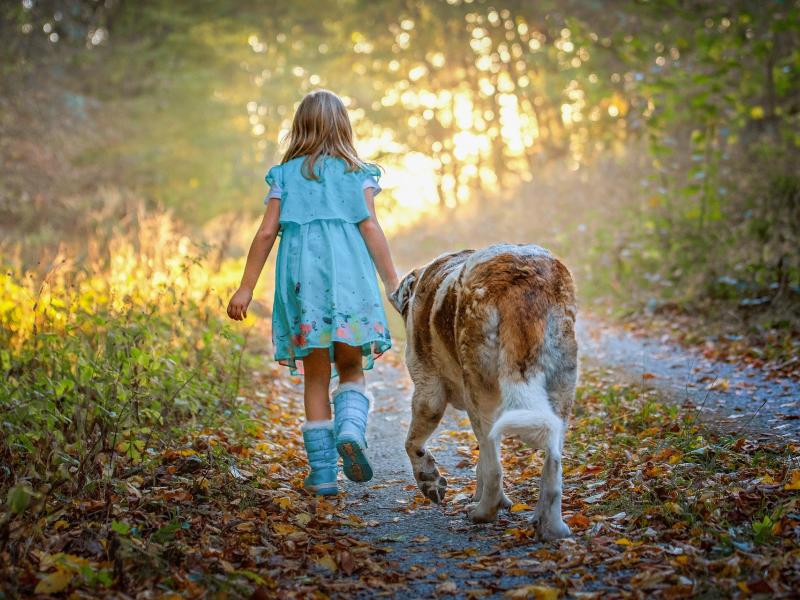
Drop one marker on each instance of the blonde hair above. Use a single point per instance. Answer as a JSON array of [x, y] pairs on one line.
[[321, 127]]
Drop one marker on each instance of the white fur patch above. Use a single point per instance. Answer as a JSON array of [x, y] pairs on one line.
[[526, 412], [355, 386], [309, 425]]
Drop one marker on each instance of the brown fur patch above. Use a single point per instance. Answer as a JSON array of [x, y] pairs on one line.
[[424, 294], [524, 289], [444, 321]]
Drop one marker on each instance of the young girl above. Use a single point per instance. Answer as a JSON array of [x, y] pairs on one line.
[[327, 306]]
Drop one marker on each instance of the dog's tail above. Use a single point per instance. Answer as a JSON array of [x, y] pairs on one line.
[[526, 412]]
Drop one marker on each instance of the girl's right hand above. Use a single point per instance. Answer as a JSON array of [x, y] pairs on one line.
[[237, 307]]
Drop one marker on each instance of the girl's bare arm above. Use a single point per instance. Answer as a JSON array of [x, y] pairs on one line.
[[377, 245], [262, 244]]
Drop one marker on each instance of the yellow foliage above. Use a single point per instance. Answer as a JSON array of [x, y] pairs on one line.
[[144, 269], [537, 592]]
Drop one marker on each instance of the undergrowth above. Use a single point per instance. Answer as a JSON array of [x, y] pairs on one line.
[[105, 362]]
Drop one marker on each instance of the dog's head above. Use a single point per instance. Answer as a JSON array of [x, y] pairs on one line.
[[401, 297]]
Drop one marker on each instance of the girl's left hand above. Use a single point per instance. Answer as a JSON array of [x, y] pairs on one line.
[[237, 307]]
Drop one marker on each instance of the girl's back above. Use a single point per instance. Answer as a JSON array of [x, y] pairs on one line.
[[336, 194]]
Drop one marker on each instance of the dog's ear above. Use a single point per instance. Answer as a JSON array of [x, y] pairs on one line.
[[402, 295]]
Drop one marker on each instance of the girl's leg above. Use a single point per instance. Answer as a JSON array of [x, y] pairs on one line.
[[318, 435], [348, 363], [317, 375], [352, 406]]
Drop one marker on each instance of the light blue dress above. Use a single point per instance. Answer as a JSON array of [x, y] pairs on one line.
[[326, 289]]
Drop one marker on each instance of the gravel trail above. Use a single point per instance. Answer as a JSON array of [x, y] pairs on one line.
[[735, 397], [436, 551]]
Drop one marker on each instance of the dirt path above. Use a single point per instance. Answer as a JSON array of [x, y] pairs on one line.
[[435, 551], [737, 398]]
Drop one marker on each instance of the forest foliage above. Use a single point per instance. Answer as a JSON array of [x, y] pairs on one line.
[[653, 144], [481, 97]]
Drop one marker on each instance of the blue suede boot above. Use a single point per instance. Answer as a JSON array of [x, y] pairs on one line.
[[351, 405], [322, 458]]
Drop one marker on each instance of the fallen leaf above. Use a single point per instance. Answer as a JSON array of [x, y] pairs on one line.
[[60, 524], [519, 507], [54, 582], [719, 385], [578, 521], [537, 592], [624, 542], [447, 587], [326, 562], [346, 562], [283, 528], [226, 566], [794, 483], [742, 585], [303, 519]]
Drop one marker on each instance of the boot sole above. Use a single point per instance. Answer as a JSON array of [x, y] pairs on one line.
[[356, 466], [330, 490]]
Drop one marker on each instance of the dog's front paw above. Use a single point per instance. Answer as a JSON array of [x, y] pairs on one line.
[[433, 489], [552, 529], [429, 481]]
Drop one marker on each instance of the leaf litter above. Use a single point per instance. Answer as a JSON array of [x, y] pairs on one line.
[[659, 506]]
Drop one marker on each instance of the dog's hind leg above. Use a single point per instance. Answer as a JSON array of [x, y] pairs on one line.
[[490, 481], [477, 428], [529, 414], [489, 492], [480, 468], [427, 408], [547, 514]]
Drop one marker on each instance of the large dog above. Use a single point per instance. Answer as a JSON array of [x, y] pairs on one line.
[[492, 332]]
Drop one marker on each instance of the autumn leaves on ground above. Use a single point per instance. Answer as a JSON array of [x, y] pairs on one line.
[[147, 452], [147, 447]]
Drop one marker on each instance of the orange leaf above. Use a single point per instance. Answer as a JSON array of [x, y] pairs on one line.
[[794, 484], [578, 521]]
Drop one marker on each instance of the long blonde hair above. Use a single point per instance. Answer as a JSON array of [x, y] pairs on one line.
[[321, 127]]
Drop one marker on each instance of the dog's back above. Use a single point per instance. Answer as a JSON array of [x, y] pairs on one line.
[[501, 315], [516, 320]]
